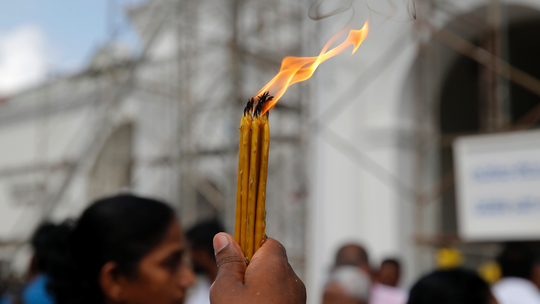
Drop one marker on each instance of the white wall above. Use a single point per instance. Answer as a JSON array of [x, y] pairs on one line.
[[348, 201], [352, 198]]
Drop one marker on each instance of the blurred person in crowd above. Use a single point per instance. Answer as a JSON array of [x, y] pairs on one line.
[[48, 243], [490, 271], [201, 249], [453, 286], [353, 255], [347, 285], [389, 273], [385, 290], [11, 290], [128, 249], [536, 274], [516, 286], [350, 277]]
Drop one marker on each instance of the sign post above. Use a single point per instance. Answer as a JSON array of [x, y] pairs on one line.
[[498, 186]]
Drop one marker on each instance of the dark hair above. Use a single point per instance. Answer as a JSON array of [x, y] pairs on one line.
[[201, 235], [394, 262], [122, 229], [516, 260], [456, 286], [351, 254], [50, 243]]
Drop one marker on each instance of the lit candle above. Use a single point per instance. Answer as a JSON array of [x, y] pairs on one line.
[[252, 176]]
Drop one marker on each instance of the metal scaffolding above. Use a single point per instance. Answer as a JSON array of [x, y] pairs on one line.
[[198, 64]]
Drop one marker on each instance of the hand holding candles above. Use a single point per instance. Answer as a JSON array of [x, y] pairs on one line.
[[252, 176]]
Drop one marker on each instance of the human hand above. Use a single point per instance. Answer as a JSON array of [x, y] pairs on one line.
[[269, 279]]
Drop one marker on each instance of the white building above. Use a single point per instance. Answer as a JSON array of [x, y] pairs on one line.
[[162, 122], [387, 117], [361, 152]]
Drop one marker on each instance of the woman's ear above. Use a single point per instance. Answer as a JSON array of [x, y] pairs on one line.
[[110, 280]]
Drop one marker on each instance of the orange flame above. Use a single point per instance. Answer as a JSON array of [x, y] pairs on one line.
[[298, 69]]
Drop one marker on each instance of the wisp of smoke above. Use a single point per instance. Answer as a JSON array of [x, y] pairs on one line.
[[411, 8], [339, 7], [321, 9]]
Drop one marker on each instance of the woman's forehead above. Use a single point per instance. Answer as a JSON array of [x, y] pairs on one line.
[[174, 232], [172, 241]]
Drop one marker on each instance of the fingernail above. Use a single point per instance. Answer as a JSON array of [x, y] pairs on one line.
[[220, 242]]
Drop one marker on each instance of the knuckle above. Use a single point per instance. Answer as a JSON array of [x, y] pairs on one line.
[[278, 246], [231, 259], [283, 250]]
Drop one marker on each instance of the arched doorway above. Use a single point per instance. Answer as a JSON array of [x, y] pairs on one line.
[[464, 100], [444, 98]]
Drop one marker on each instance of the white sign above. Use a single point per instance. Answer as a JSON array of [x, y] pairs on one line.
[[498, 186]]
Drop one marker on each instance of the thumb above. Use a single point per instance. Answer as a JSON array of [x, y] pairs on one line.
[[230, 260]]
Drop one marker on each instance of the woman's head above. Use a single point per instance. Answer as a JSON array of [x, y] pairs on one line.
[[49, 242], [455, 286], [124, 249]]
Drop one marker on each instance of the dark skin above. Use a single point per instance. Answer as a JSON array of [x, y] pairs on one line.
[[334, 294], [535, 275], [389, 274], [492, 300], [162, 276], [352, 254], [269, 279], [33, 270]]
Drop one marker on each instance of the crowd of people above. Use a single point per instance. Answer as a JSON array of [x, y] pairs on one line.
[[353, 281], [129, 249]]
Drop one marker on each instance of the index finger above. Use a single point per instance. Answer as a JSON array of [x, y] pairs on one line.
[[270, 268], [270, 258], [270, 248]]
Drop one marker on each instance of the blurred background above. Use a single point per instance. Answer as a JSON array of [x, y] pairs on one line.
[[424, 139]]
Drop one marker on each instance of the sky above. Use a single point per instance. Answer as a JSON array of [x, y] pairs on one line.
[[40, 39]]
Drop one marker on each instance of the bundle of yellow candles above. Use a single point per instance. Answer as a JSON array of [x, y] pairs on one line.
[[253, 149], [249, 230]]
